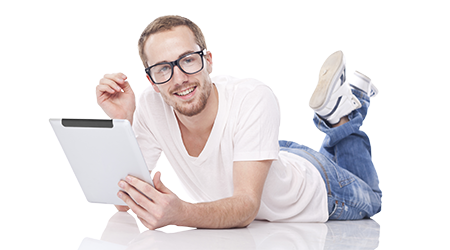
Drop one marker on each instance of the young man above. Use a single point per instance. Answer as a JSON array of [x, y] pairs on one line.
[[221, 137]]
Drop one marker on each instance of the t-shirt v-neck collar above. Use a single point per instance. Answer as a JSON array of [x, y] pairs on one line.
[[214, 137]]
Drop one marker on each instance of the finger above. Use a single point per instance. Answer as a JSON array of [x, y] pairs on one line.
[[101, 89], [144, 216], [126, 87], [111, 83], [143, 187], [137, 209], [118, 78], [137, 195]]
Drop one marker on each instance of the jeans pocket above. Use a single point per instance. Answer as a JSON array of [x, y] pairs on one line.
[[343, 176]]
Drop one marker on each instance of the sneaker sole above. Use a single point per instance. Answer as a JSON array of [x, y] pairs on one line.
[[327, 76]]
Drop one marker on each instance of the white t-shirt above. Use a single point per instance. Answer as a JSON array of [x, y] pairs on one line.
[[245, 129]]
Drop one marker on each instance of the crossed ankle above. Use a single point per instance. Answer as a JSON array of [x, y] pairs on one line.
[[342, 121]]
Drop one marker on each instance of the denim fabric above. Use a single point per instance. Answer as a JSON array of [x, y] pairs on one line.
[[345, 164]]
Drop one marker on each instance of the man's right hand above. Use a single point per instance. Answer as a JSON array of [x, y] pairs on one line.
[[115, 97]]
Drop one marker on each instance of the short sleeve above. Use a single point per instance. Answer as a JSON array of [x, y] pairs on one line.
[[257, 127]]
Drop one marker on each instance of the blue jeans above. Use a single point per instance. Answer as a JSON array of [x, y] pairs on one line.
[[345, 164]]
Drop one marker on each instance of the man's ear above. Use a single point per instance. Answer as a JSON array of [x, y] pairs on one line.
[[154, 85], [209, 62]]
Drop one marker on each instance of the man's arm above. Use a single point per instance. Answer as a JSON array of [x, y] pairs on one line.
[[165, 208]]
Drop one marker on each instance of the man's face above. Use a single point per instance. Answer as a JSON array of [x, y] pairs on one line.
[[187, 94]]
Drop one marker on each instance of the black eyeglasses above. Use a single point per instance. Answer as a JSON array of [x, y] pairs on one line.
[[190, 64]]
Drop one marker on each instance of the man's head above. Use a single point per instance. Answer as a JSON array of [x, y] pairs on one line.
[[167, 47]]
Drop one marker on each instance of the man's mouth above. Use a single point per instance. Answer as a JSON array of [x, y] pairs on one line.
[[185, 92]]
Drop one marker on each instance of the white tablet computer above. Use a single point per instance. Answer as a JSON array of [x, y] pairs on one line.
[[101, 153]]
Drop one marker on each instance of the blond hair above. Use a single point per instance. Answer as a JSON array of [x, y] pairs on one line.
[[165, 23]]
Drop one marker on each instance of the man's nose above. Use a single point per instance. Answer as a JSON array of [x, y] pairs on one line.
[[179, 76]]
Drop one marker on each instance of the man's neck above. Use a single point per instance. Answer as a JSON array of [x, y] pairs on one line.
[[203, 122]]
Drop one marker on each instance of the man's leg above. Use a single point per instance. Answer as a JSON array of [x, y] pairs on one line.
[[348, 146], [343, 107]]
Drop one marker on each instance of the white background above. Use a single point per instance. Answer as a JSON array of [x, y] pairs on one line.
[[53, 54]]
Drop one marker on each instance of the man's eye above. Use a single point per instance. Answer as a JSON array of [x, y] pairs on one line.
[[188, 60], [162, 69]]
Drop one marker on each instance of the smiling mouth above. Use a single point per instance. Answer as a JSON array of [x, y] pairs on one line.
[[185, 92]]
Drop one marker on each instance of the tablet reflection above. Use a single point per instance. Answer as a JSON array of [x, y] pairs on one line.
[[122, 232]]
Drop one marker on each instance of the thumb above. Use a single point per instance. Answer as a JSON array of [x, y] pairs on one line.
[[158, 184], [126, 87]]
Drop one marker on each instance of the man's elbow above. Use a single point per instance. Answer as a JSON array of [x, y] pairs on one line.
[[251, 211], [245, 223], [248, 221]]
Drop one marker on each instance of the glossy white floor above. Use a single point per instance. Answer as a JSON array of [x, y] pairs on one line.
[[122, 232]]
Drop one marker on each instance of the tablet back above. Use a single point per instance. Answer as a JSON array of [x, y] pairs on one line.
[[101, 153]]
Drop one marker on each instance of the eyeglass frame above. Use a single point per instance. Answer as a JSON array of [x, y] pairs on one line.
[[176, 63]]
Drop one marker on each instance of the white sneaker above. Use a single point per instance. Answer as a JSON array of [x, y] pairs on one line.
[[363, 83], [333, 99]]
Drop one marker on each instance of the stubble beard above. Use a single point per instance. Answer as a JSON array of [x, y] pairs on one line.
[[190, 108]]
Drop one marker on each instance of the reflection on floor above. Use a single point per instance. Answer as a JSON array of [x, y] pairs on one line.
[[122, 232]]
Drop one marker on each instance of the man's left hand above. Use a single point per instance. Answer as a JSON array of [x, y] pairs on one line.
[[155, 206]]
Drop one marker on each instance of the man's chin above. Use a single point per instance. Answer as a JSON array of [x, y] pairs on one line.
[[190, 111]]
